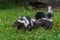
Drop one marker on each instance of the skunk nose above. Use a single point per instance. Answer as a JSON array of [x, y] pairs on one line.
[[14, 25]]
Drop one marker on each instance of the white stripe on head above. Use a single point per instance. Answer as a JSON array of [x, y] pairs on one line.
[[27, 21], [23, 21]]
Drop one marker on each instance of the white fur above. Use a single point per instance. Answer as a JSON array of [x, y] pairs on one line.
[[27, 22], [23, 21], [50, 9], [47, 19], [32, 20]]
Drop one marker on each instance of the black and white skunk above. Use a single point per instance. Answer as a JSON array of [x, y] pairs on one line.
[[25, 22], [41, 19], [47, 22]]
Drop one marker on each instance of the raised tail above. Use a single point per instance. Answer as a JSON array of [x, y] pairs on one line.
[[49, 13]]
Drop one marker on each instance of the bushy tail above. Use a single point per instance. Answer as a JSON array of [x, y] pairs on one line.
[[50, 12]]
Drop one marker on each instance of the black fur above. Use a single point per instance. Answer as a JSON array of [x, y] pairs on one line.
[[29, 19], [20, 25], [39, 15], [49, 15], [41, 19], [45, 20], [45, 23]]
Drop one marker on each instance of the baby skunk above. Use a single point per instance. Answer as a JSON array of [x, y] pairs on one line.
[[24, 22], [47, 22]]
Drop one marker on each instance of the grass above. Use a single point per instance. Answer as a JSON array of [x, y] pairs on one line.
[[7, 32]]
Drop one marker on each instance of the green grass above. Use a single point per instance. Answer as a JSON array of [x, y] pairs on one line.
[[7, 32]]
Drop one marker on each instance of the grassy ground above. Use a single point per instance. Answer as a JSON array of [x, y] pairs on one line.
[[7, 32]]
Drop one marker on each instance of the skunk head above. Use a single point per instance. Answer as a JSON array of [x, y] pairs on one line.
[[39, 15], [22, 17], [19, 24], [15, 24], [25, 21]]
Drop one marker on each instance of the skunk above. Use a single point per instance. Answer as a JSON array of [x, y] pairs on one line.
[[25, 22], [49, 14], [47, 22]]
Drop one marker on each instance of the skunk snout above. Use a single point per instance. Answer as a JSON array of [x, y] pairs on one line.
[[15, 24]]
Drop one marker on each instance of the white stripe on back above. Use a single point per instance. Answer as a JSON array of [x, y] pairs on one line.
[[47, 19]]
